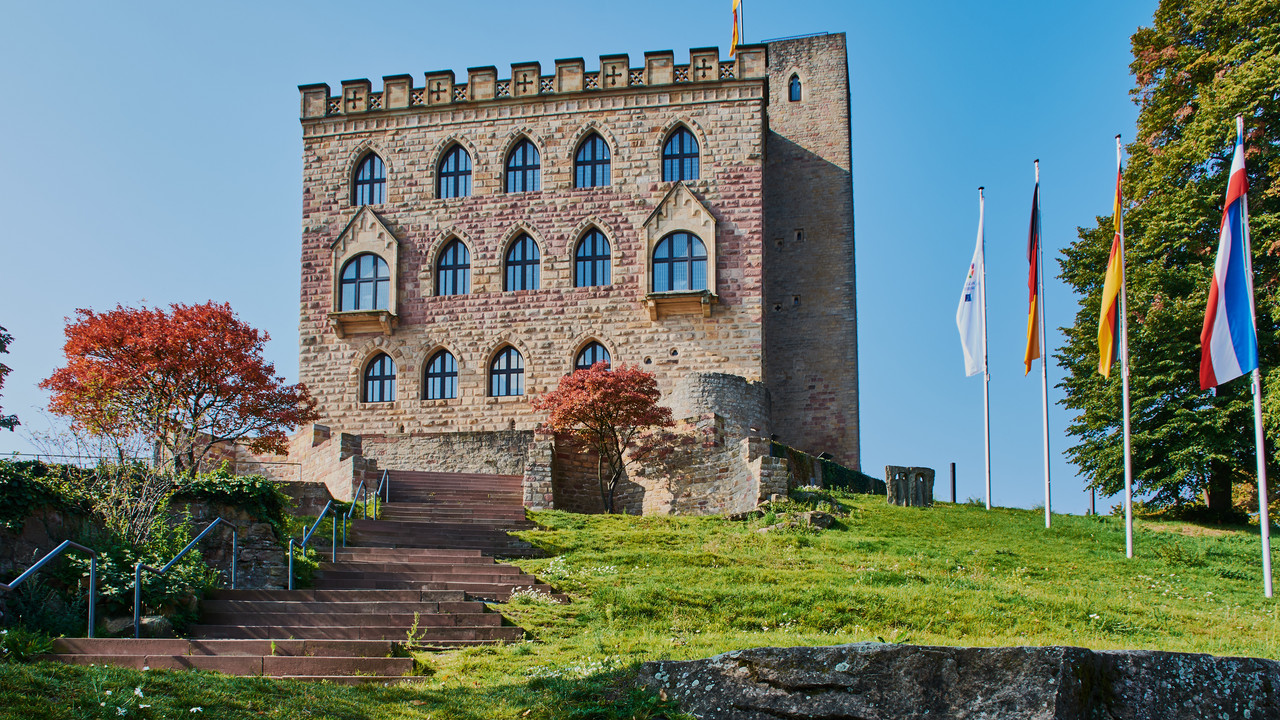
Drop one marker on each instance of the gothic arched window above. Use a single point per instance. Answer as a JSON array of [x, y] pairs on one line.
[[454, 174], [793, 89], [506, 373], [524, 171], [371, 181], [591, 260], [453, 270], [380, 379], [523, 265], [591, 164], [590, 355], [680, 156], [365, 284], [442, 377], [679, 263]]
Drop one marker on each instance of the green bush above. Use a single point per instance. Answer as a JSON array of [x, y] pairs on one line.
[[28, 485], [22, 645], [254, 494]]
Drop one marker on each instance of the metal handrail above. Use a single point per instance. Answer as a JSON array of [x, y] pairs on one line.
[[363, 491], [307, 536], [139, 567], [93, 575]]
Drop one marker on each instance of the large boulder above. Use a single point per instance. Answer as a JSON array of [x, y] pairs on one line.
[[874, 681]]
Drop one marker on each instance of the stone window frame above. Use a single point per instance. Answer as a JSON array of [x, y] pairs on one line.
[[795, 83], [436, 276], [515, 144], [705, 156], [365, 379], [594, 164], [453, 150], [499, 344], [582, 347], [581, 236], [427, 272], [507, 351], [347, 194], [617, 154], [426, 369], [364, 233], [509, 238], [437, 159], [376, 280], [680, 211]]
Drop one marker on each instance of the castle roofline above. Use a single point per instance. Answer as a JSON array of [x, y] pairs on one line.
[[527, 81]]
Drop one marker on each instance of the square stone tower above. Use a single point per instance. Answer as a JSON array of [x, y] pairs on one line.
[[467, 242]]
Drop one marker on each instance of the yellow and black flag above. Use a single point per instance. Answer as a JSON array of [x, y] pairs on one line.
[[1033, 282], [1109, 317], [733, 44]]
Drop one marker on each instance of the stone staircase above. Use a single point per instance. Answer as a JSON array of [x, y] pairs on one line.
[[421, 573]]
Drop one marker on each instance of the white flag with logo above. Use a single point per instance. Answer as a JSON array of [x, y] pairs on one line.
[[970, 317]]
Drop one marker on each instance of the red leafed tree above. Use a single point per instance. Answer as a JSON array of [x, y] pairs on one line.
[[186, 378], [610, 412]]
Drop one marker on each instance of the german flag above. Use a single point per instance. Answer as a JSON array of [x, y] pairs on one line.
[[1033, 282], [1109, 317], [733, 44]]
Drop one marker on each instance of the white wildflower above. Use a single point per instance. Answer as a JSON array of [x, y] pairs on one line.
[[197, 709], [137, 691], [120, 711], [107, 693]]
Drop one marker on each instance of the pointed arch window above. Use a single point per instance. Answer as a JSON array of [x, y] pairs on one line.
[[365, 284], [679, 263], [506, 373], [454, 174], [524, 169], [380, 379], [680, 156], [523, 265], [793, 89], [453, 270], [442, 377], [591, 164], [591, 260], [371, 181], [590, 355]]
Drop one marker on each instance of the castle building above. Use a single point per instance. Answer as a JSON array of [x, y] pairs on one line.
[[467, 244]]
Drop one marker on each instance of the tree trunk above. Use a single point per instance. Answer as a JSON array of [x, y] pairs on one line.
[[1218, 490]]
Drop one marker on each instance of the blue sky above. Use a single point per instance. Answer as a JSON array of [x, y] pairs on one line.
[[151, 153]]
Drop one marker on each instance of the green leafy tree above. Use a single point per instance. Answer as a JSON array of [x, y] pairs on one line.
[[6, 421], [1201, 63]]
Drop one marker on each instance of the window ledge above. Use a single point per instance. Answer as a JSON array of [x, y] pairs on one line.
[[350, 322], [680, 302]]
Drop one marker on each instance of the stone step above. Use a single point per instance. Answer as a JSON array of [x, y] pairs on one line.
[[432, 567], [177, 646], [340, 595], [489, 592], [245, 607], [340, 578], [354, 619], [269, 665], [398, 633], [441, 555]]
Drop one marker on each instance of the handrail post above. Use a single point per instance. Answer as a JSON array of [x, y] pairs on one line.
[[235, 551], [333, 527], [93, 592], [290, 586], [137, 600]]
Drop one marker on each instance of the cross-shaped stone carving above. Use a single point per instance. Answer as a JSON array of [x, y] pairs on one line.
[[524, 82], [612, 75], [702, 68], [353, 102], [436, 91]]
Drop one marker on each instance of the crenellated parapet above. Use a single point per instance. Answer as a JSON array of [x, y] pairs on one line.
[[570, 76]]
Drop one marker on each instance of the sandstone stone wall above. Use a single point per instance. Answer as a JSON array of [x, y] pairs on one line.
[[811, 338], [500, 452]]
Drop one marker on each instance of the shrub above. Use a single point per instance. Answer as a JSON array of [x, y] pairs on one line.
[[254, 494]]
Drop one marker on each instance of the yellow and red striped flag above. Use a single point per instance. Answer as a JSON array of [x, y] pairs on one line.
[[1033, 257], [733, 44], [1109, 317]]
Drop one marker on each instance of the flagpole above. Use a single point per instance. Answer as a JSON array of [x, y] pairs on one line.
[[1124, 375], [986, 371], [1264, 519], [1044, 350]]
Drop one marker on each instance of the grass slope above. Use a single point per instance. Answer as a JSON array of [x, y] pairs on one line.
[[659, 587]]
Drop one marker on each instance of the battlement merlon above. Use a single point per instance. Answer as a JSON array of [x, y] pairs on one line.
[[527, 80]]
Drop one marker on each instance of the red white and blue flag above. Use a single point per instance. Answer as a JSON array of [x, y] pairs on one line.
[[1229, 340]]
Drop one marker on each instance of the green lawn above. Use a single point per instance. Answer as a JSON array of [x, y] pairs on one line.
[[650, 588]]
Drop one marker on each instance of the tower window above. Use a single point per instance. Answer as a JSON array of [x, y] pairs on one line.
[[591, 260], [455, 174], [442, 377], [680, 156], [371, 181], [592, 163], [453, 271], [793, 89], [380, 379], [524, 171], [506, 374], [590, 355], [365, 284], [679, 263], [523, 265]]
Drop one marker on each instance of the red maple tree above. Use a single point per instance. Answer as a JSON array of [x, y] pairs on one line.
[[609, 412], [186, 378]]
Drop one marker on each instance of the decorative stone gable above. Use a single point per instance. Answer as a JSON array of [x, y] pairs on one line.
[[680, 211], [366, 233]]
